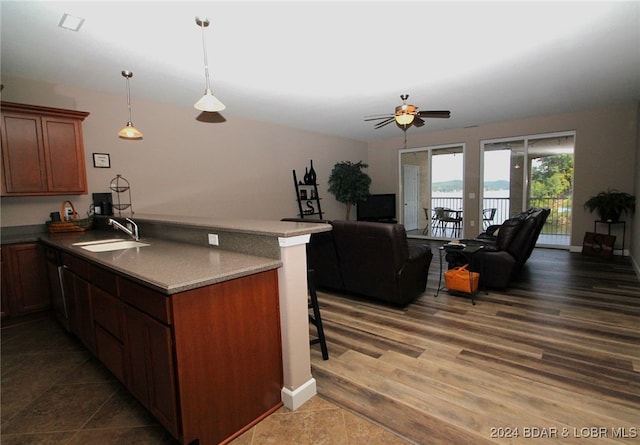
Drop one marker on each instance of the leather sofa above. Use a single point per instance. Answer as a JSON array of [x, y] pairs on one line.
[[506, 248], [369, 259]]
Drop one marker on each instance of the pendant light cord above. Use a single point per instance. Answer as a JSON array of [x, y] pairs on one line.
[[206, 62], [129, 98]]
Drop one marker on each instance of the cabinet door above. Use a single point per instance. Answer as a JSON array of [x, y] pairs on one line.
[[23, 154], [64, 155], [27, 279], [150, 371], [78, 293], [5, 271], [108, 318], [42, 151]]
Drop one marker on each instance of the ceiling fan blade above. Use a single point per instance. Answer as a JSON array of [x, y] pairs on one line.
[[383, 123], [418, 122], [373, 118], [441, 113]]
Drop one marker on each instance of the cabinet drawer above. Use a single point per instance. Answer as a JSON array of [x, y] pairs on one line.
[[107, 312], [76, 265], [103, 279], [148, 301], [110, 352]]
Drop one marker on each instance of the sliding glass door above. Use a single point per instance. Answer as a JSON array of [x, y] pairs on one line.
[[432, 178], [531, 171]]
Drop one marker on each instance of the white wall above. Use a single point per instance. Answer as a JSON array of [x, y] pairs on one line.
[[238, 168]]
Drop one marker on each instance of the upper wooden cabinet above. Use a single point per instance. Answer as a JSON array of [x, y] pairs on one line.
[[42, 151]]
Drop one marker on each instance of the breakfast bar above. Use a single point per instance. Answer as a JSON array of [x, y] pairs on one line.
[[205, 322]]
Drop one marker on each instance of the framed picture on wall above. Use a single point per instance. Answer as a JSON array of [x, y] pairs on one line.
[[101, 160]]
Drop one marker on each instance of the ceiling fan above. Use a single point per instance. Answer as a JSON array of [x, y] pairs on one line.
[[406, 115]]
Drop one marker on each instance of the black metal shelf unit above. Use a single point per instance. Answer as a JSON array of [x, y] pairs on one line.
[[307, 195]]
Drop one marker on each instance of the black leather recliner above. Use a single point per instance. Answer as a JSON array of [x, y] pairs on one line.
[[507, 247]]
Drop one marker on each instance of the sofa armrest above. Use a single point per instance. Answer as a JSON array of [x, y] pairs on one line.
[[415, 251], [495, 268], [412, 277]]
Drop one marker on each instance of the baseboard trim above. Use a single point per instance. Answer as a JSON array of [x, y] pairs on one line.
[[296, 398]]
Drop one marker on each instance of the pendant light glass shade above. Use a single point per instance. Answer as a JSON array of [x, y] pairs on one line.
[[405, 113], [129, 131], [208, 102], [404, 119]]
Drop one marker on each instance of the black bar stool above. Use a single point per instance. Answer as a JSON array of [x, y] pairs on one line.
[[315, 319]]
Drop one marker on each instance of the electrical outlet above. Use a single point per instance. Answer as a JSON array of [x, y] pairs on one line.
[[213, 239]]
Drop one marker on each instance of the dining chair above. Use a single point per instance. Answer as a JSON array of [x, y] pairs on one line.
[[487, 217], [448, 216], [430, 221]]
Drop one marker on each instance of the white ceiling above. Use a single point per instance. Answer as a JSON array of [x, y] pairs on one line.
[[323, 66]]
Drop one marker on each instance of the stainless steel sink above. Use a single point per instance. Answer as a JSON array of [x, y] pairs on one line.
[[111, 244]]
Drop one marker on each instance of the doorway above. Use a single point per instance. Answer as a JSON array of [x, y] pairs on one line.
[[437, 172], [411, 175], [530, 171]]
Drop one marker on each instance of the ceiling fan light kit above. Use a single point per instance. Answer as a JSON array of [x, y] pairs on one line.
[[208, 102], [129, 131], [406, 115]]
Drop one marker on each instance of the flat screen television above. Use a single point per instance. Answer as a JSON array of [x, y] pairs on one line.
[[381, 207]]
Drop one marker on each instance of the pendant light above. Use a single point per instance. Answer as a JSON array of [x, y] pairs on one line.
[[208, 102], [129, 131]]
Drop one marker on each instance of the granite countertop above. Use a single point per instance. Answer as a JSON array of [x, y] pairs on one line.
[[166, 266], [249, 226]]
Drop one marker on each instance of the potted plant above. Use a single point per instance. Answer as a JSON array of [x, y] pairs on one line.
[[611, 204], [349, 184]]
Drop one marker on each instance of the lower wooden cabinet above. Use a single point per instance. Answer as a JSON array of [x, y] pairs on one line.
[[108, 316], [24, 279], [228, 356], [150, 374], [77, 292], [207, 362]]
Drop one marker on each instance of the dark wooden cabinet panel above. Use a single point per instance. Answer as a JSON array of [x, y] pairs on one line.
[[4, 288], [147, 300], [151, 372], [42, 151], [110, 352], [108, 312], [23, 154], [136, 347], [79, 306], [24, 278], [64, 159], [108, 317], [228, 355]]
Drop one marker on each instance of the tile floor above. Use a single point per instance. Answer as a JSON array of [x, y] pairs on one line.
[[54, 392]]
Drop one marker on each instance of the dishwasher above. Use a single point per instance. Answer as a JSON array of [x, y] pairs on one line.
[[56, 284]]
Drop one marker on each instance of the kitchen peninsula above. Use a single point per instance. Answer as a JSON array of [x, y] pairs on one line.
[[210, 338]]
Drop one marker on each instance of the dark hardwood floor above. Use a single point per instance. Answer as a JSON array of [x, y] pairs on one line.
[[555, 359]]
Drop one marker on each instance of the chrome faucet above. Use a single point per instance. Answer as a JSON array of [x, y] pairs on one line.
[[131, 230]]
